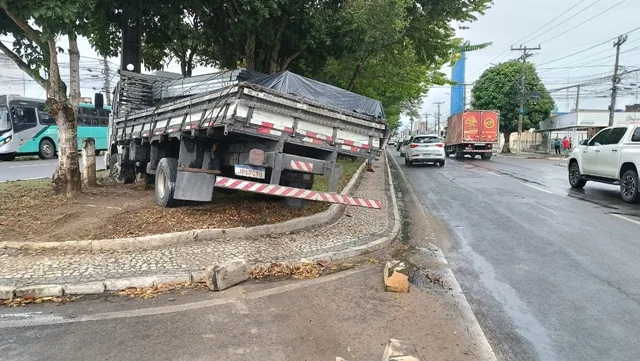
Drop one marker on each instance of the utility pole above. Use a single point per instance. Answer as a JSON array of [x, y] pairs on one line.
[[411, 129], [525, 55], [107, 80], [426, 122], [578, 98], [616, 79], [438, 118]]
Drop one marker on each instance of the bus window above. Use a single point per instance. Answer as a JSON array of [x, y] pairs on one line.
[[45, 118], [23, 118], [5, 123], [103, 115]]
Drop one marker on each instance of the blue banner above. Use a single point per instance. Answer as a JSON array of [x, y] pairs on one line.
[[457, 91]]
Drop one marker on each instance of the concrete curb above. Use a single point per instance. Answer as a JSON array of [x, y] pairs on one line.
[[166, 239], [465, 308]]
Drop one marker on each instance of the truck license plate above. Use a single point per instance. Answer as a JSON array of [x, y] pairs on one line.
[[249, 171]]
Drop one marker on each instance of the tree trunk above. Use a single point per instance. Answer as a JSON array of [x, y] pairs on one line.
[[74, 81], [275, 51], [354, 78], [66, 179], [506, 147], [288, 60], [250, 52]]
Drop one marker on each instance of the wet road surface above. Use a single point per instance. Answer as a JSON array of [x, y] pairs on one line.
[[32, 169], [551, 273]]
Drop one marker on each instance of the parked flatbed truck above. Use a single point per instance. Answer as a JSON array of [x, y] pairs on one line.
[[240, 130], [473, 132]]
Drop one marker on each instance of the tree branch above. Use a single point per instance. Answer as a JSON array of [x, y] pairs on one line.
[[33, 73], [31, 33]]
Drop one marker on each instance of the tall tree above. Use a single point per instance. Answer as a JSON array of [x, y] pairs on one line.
[[36, 25], [500, 88]]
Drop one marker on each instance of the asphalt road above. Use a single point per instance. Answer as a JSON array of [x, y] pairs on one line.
[[31, 169], [551, 273]]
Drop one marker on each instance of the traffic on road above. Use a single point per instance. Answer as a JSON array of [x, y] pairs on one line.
[[552, 271]]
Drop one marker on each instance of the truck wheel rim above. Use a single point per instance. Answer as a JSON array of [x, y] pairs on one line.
[[161, 183], [628, 186], [574, 174]]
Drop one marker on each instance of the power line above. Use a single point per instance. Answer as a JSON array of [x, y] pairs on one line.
[[528, 35], [584, 22], [576, 14], [552, 20]]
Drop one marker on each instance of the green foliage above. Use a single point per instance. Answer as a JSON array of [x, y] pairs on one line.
[[499, 88], [390, 50]]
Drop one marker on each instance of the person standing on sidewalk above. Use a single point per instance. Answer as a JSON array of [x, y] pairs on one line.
[[567, 145], [557, 146]]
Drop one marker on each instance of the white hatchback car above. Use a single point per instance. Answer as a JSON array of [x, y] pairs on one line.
[[425, 149]]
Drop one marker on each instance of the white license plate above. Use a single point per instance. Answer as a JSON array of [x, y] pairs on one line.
[[249, 171]]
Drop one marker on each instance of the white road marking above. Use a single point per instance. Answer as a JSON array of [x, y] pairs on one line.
[[33, 165], [626, 218], [495, 174], [538, 188]]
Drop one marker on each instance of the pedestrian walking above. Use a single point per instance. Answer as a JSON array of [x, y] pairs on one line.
[[566, 143], [557, 146]]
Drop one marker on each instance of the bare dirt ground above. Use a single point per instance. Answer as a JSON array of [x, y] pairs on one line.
[[30, 211]]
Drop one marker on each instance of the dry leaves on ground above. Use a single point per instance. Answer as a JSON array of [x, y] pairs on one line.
[[299, 271], [27, 300], [154, 291]]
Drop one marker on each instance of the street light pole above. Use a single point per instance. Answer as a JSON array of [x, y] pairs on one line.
[[438, 118]]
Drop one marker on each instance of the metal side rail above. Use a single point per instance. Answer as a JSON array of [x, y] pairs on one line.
[[283, 191]]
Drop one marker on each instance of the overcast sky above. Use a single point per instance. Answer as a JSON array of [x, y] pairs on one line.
[[587, 24], [565, 58]]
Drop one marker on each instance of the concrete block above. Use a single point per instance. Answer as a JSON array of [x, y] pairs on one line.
[[117, 284], [228, 274], [87, 288], [7, 292], [394, 279], [398, 350], [172, 279], [39, 291]]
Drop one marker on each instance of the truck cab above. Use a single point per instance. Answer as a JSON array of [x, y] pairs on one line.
[[612, 156]]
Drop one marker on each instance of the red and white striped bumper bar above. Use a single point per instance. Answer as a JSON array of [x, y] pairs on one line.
[[282, 191], [478, 150]]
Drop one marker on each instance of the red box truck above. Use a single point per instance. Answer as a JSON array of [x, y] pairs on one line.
[[472, 132]]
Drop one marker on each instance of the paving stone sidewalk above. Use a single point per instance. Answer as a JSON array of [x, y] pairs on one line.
[[356, 227]]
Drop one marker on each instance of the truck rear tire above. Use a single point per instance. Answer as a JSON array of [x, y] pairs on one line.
[[459, 154], [166, 182], [629, 187], [486, 156]]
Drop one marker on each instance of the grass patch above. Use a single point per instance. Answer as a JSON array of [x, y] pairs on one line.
[[19, 188], [349, 166], [25, 158]]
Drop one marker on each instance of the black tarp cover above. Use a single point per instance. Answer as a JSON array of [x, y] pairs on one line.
[[294, 84]]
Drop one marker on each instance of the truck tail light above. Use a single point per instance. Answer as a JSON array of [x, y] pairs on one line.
[[439, 145], [413, 146]]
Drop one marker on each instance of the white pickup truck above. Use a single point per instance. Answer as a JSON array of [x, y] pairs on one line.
[[613, 157]]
